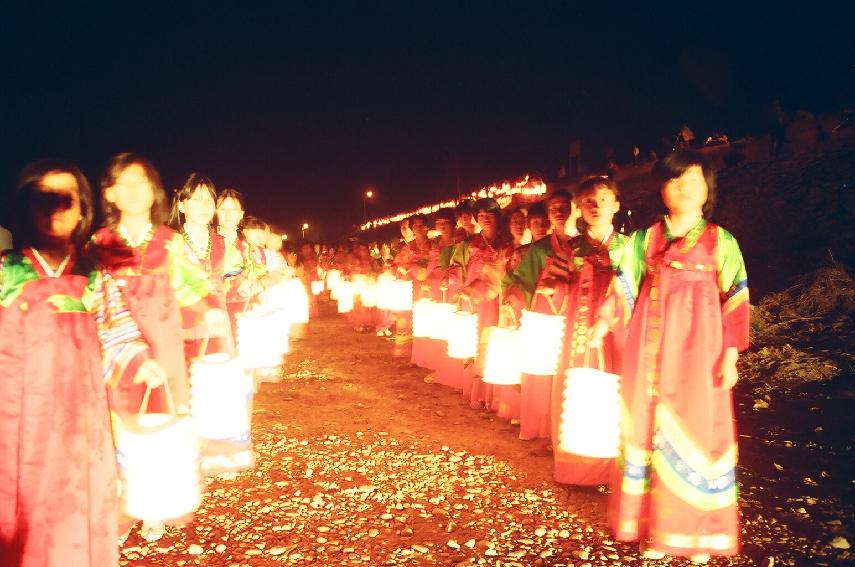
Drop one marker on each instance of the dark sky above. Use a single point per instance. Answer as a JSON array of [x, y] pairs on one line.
[[303, 107]]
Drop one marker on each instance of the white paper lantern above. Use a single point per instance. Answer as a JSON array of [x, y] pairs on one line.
[[360, 282], [463, 335], [344, 292], [290, 296], [262, 338], [541, 338], [590, 414], [317, 287], [369, 294], [503, 360], [422, 312], [440, 320], [220, 393], [297, 301], [159, 458], [401, 298], [333, 280], [385, 287]]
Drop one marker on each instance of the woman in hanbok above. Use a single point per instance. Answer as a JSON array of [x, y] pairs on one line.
[[160, 283], [595, 255], [239, 279], [682, 290], [541, 283], [444, 281], [67, 337], [150, 262], [193, 209], [483, 258], [506, 398]]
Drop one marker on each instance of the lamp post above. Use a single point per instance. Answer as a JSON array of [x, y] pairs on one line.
[[303, 229], [365, 196]]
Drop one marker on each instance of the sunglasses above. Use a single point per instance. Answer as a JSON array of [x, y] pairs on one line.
[[49, 201]]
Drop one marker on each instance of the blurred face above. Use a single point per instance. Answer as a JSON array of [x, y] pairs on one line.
[[538, 226], [199, 208], [686, 194], [229, 214], [274, 241], [419, 228], [487, 221], [517, 224], [256, 236], [133, 193], [559, 211], [55, 206], [444, 227], [465, 218], [405, 228], [599, 206]]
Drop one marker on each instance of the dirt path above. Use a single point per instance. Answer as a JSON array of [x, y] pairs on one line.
[[361, 462]]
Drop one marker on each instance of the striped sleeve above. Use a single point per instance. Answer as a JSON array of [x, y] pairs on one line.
[[123, 348]]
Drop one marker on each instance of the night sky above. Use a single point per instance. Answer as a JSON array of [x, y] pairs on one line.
[[302, 108]]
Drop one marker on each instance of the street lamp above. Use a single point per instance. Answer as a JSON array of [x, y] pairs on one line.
[[304, 228], [284, 237], [365, 196]]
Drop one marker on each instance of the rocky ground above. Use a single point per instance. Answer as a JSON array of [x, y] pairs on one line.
[[362, 462]]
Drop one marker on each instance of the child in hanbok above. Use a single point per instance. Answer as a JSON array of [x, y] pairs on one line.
[[193, 210], [682, 290], [239, 279], [483, 259], [541, 283], [160, 283], [595, 254], [58, 482], [149, 261]]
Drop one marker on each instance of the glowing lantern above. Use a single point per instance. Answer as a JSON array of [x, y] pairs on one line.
[[289, 296], [220, 391], [369, 294], [262, 338], [590, 413], [317, 287], [385, 284], [159, 457], [360, 282], [541, 338], [345, 297], [463, 335], [297, 301], [440, 320], [422, 312], [502, 362], [401, 296], [333, 279]]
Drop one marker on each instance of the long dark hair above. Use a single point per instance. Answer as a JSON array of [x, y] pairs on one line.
[[194, 181], [29, 180], [676, 164], [119, 163], [230, 194]]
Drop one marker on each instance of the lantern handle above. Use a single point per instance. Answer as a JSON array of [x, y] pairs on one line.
[[601, 364], [170, 403], [460, 299]]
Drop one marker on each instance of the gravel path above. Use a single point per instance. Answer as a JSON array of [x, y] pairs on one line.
[[361, 462]]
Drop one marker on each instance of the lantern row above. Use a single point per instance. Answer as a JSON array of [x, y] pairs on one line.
[[503, 193]]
